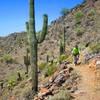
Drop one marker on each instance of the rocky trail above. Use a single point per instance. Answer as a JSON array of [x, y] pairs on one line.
[[88, 88], [84, 86]]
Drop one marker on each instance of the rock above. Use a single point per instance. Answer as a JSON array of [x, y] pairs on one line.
[[70, 69], [29, 80], [54, 88], [68, 82], [46, 85], [59, 80], [43, 92], [73, 89], [12, 98], [51, 79], [64, 71], [62, 66], [98, 63]]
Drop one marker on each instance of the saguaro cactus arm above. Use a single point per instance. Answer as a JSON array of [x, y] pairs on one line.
[[27, 26], [27, 29], [44, 30]]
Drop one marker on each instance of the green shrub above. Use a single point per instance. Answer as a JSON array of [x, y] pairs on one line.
[[11, 80], [55, 61], [92, 12], [70, 58], [62, 58], [1, 60], [78, 16], [7, 58], [50, 69], [42, 65], [62, 95], [95, 47], [18, 40], [11, 83], [79, 31]]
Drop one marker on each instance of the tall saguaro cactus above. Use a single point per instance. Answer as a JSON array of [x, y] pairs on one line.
[[33, 42]]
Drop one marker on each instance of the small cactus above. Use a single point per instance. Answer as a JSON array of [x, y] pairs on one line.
[[47, 58], [19, 76], [2, 85], [61, 49], [27, 60], [62, 43]]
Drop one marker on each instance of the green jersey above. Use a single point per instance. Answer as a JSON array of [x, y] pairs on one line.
[[75, 51]]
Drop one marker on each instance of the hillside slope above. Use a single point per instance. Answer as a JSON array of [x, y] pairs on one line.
[[83, 30]]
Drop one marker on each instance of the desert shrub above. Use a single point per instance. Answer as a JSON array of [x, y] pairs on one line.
[[50, 69], [42, 65], [11, 83], [64, 11], [62, 58], [62, 95], [79, 31], [95, 47], [70, 58], [1, 60], [11, 80], [91, 15], [78, 16], [92, 12], [7, 58], [18, 40], [55, 61], [83, 45], [27, 94]]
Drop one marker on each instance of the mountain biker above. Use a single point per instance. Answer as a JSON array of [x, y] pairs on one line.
[[76, 54]]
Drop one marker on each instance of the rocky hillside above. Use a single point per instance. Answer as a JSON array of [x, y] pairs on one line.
[[82, 30], [81, 24], [82, 27]]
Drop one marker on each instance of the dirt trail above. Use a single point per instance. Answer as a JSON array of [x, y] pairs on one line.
[[88, 85]]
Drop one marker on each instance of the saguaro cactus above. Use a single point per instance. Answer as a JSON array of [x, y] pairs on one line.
[[27, 57], [27, 60], [64, 39], [62, 42], [47, 58], [34, 41], [61, 48]]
